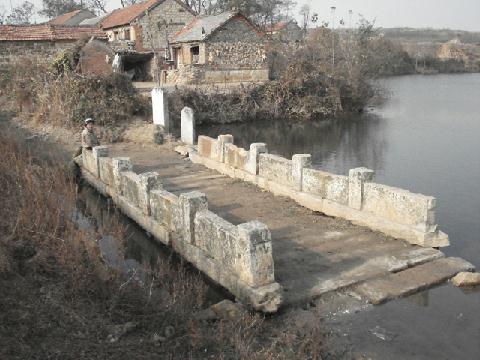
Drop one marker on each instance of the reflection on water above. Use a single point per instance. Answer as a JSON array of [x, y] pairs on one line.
[[335, 145]]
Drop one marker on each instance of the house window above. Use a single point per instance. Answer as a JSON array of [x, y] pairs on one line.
[[195, 54], [115, 35], [126, 34]]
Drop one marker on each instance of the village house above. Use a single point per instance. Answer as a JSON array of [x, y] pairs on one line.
[[285, 31], [72, 18], [40, 42], [223, 48], [469, 54]]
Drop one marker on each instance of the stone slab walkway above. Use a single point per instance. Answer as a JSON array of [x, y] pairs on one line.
[[313, 254]]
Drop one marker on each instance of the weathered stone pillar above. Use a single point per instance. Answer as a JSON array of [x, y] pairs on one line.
[[160, 108], [98, 152], [357, 177], [256, 149], [222, 140], [119, 165], [189, 204], [148, 181], [188, 126], [255, 254], [299, 162]]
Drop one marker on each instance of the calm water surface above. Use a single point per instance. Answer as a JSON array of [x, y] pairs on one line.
[[425, 138]]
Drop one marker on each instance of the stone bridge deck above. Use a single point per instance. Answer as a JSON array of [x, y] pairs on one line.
[[313, 253]]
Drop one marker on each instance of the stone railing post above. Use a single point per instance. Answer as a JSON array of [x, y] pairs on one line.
[[256, 149], [254, 256], [299, 162], [189, 204], [160, 108], [148, 181], [119, 165], [98, 152], [357, 178], [187, 126], [222, 140]]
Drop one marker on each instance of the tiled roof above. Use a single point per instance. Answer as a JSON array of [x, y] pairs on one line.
[[203, 26], [276, 27], [126, 15], [47, 32], [62, 19]]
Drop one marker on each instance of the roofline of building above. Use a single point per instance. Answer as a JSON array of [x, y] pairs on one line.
[[144, 13]]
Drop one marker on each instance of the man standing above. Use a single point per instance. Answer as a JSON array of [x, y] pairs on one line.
[[89, 139]]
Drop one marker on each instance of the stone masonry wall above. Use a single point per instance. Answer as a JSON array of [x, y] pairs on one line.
[[153, 26], [237, 257], [237, 45], [13, 51], [395, 212]]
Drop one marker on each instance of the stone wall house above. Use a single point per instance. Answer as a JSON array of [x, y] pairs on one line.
[[40, 42], [73, 18], [469, 54], [147, 25], [222, 48]]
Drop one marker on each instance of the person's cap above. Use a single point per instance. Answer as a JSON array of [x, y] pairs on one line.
[[89, 120]]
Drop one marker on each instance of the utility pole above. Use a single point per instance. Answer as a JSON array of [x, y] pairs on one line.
[[333, 8]]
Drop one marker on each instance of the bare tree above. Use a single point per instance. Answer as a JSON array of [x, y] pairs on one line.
[[54, 8], [97, 5], [305, 12], [20, 15]]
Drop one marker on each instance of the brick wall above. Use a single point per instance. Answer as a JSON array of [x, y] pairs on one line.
[[93, 58]]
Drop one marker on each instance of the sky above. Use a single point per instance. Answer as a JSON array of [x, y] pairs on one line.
[[453, 14]]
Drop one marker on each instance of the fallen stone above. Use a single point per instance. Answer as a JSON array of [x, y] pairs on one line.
[[228, 310], [158, 339], [412, 280], [183, 150], [466, 279], [169, 331]]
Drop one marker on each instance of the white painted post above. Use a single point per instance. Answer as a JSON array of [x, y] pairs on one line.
[[160, 108], [299, 162], [189, 204], [188, 126], [357, 177], [252, 161]]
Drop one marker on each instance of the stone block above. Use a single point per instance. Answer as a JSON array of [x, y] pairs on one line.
[[119, 165], [251, 164], [326, 185], [98, 152], [276, 168], [188, 126], [89, 162], [189, 204], [217, 237], [106, 171], [400, 206], [160, 108], [219, 151], [164, 209], [205, 146], [300, 162], [136, 188], [357, 178], [254, 254]]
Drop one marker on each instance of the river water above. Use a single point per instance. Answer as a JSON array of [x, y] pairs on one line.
[[424, 138]]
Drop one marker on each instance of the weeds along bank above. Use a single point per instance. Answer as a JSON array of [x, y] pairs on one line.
[[53, 93], [59, 299]]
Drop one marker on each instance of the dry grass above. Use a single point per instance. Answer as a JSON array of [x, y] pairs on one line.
[[61, 301]]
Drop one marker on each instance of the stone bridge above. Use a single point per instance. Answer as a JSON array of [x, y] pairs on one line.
[[275, 231]]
